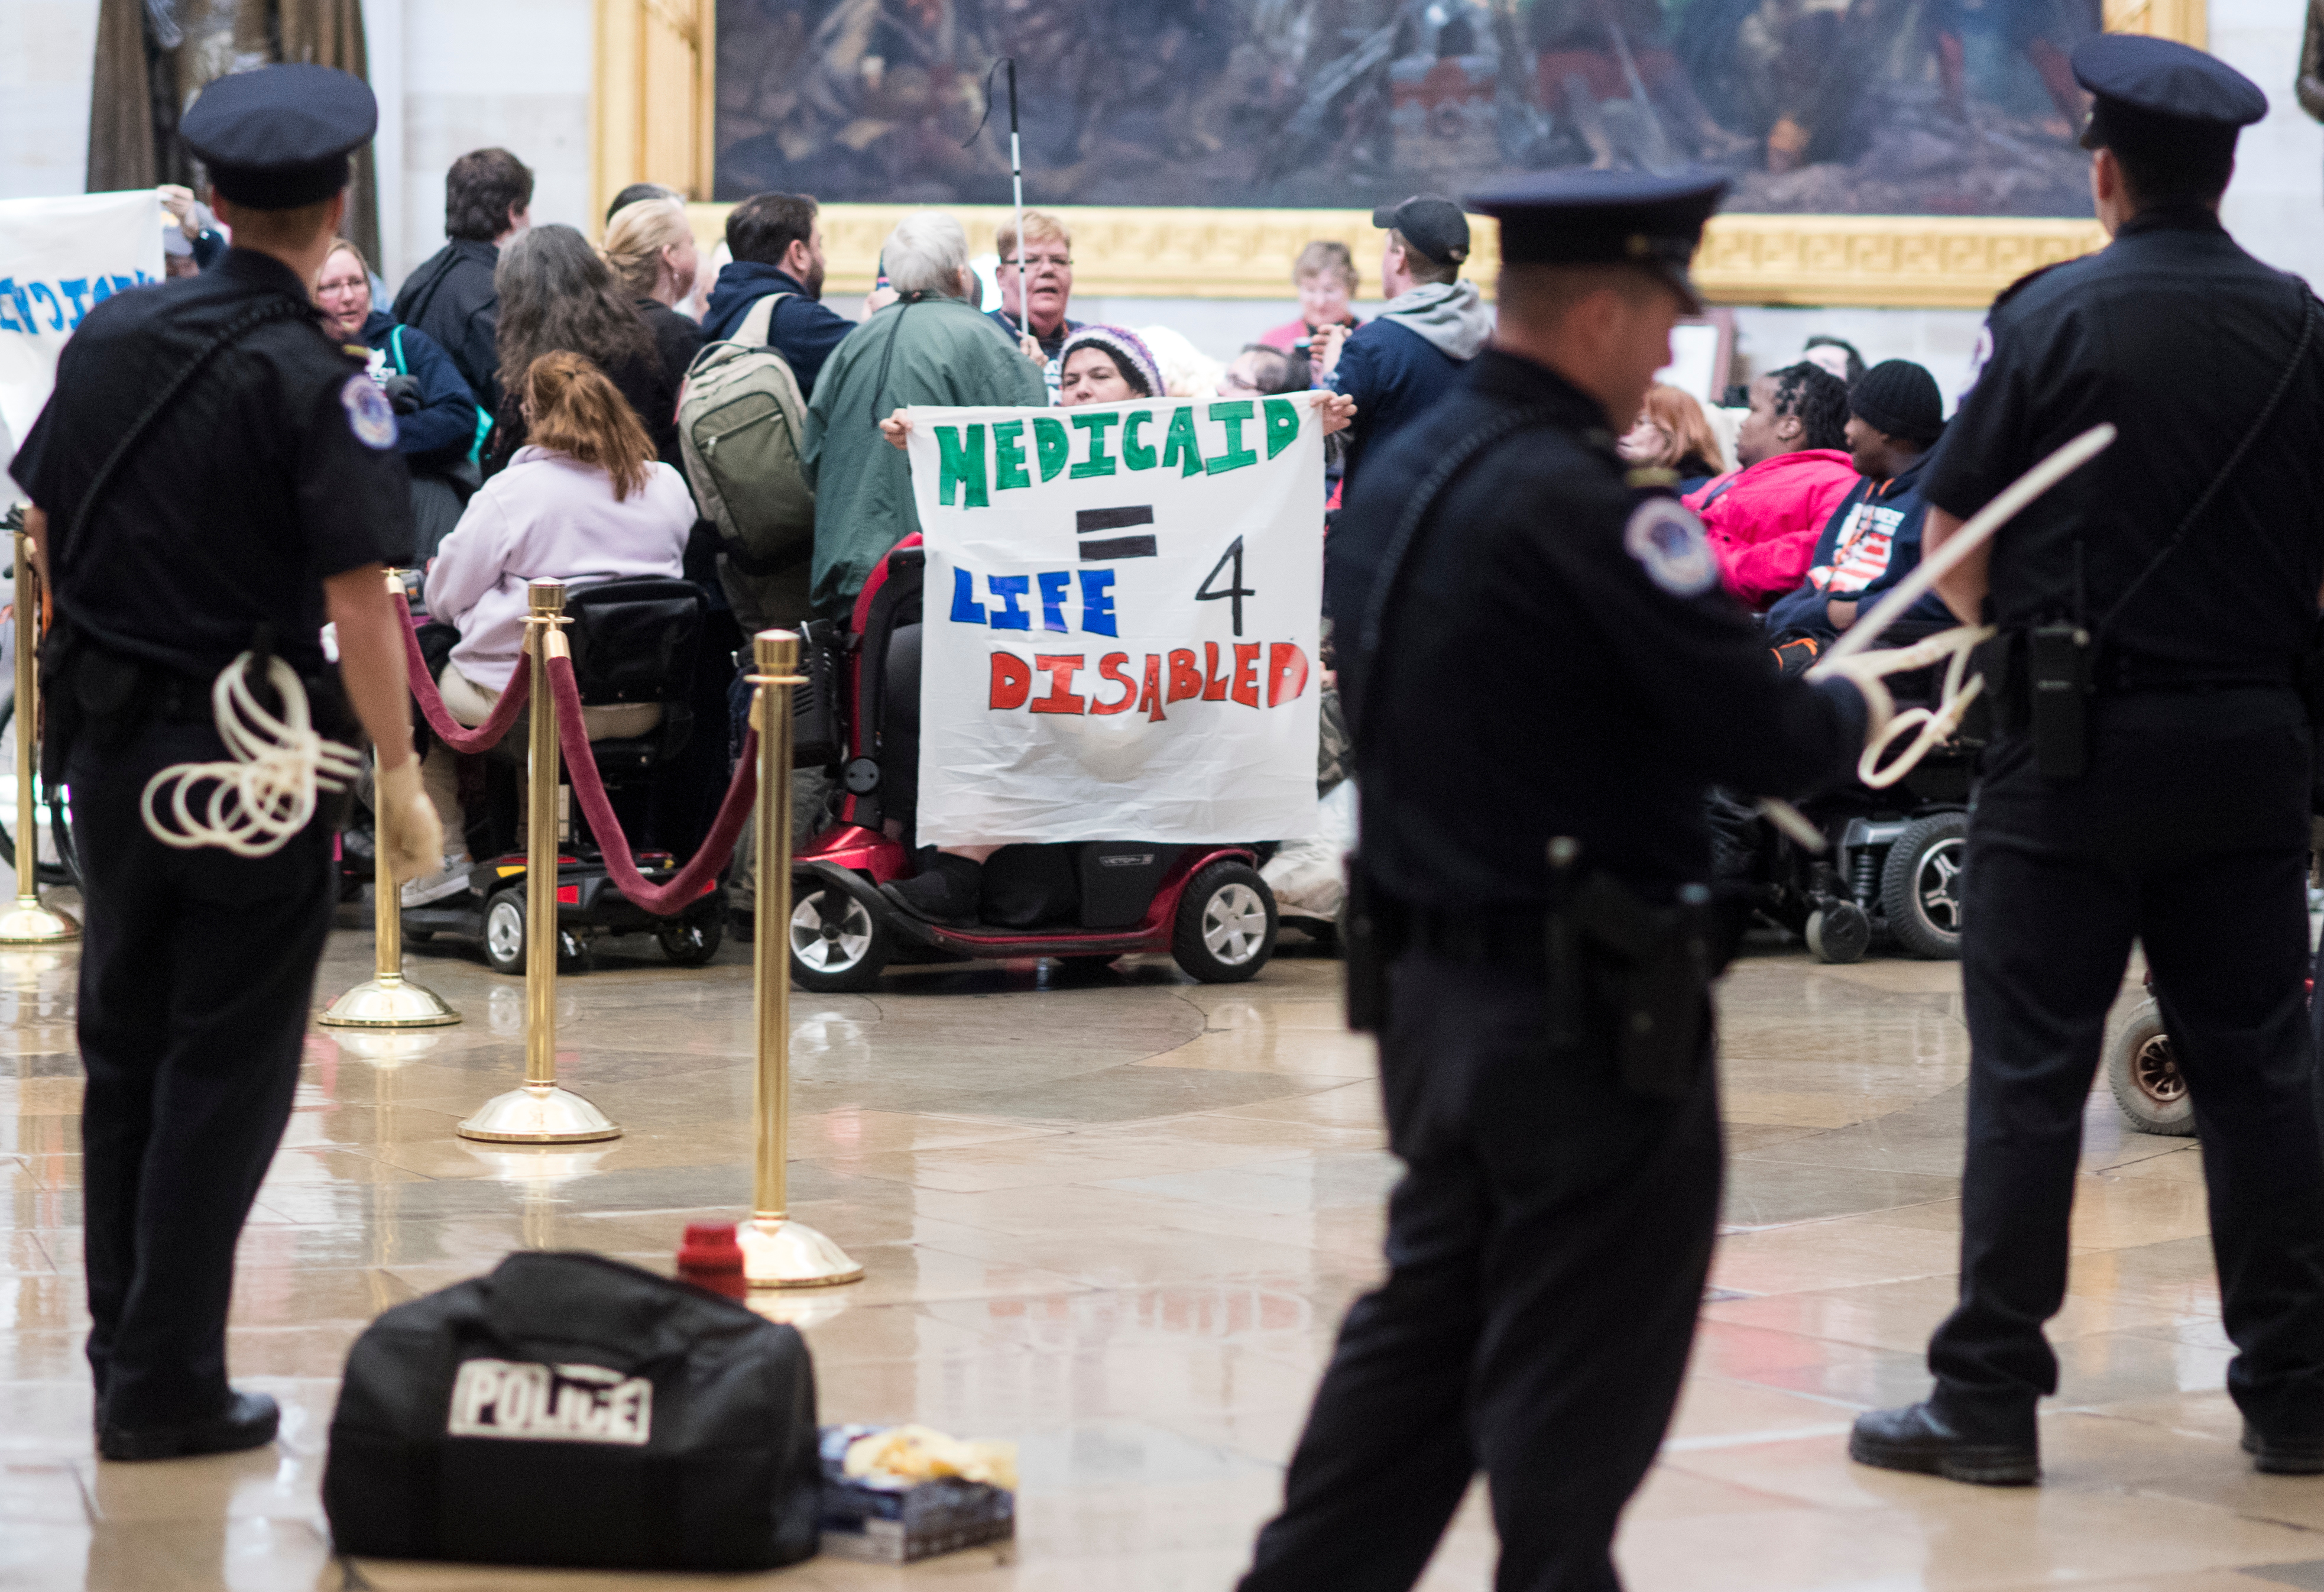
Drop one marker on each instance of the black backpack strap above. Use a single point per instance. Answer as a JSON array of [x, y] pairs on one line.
[[273, 309], [2267, 413], [1407, 532]]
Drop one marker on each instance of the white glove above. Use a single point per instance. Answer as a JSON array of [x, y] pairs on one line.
[[410, 835]]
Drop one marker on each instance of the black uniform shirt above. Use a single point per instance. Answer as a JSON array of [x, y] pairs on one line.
[[2178, 337], [1547, 666], [272, 470]]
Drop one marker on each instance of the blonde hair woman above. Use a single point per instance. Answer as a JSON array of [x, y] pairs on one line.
[[650, 249]]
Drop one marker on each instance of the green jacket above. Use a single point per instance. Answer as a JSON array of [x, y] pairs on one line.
[[938, 351]]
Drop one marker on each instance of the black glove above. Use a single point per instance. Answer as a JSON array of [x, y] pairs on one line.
[[403, 393]]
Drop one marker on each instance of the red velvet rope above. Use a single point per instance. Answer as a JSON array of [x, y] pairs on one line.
[[449, 729], [668, 898]]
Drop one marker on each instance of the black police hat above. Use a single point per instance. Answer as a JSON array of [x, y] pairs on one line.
[[278, 137], [1586, 218], [2156, 91], [1430, 223]]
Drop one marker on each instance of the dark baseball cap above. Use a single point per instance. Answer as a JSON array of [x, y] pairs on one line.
[[1430, 223]]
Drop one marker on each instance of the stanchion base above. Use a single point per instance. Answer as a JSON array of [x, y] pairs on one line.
[[780, 1253], [539, 1114], [390, 1001], [28, 922]]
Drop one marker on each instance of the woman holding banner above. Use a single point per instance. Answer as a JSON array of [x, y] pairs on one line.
[[1097, 365]]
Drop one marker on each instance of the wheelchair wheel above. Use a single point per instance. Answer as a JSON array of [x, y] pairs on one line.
[[1226, 925], [2144, 1075], [1921, 885], [505, 945], [52, 821], [692, 943], [838, 945], [1840, 932]]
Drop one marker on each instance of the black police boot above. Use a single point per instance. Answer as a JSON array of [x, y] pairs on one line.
[[2285, 1454], [247, 1422], [1916, 1438], [946, 891]]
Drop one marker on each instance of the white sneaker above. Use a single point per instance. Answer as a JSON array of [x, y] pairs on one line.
[[449, 880]]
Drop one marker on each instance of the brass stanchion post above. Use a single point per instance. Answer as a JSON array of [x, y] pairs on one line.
[[778, 1252], [29, 922], [387, 999], [541, 1112]]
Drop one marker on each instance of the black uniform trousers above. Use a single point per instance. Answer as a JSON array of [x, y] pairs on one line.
[[196, 971], [1547, 1249], [2188, 833]]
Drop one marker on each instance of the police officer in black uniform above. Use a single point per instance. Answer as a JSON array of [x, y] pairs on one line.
[[1539, 657], [213, 474], [2150, 779]]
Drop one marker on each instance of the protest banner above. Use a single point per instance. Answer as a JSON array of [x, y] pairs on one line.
[[1120, 625], [60, 258]]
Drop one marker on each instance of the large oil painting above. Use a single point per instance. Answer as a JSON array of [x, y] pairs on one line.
[[1961, 108]]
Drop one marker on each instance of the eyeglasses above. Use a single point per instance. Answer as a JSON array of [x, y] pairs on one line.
[[1035, 262], [340, 285]]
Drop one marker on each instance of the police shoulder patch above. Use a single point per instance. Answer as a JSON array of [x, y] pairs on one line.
[[1668, 541], [369, 415]]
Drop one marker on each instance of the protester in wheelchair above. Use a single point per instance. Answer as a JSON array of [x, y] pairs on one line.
[[1872, 540], [1098, 364], [584, 502]]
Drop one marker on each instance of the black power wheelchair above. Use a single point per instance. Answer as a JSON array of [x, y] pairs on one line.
[[633, 639], [1891, 869]]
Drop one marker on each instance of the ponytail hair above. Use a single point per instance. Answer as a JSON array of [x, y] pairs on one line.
[[574, 411]]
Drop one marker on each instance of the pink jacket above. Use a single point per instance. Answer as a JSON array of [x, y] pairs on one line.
[[1294, 330], [548, 517], [1764, 520]]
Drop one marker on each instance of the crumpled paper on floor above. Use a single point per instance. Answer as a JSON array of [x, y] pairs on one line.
[[922, 1453]]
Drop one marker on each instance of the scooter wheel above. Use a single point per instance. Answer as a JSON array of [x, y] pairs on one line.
[[692, 943], [504, 934], [1226, 925], [2143, 1074], [838, 945]]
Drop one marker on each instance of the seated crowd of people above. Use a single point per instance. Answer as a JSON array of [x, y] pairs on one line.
[[537, 381]]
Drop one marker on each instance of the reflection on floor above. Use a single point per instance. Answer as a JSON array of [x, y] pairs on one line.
[[1117, 1219]]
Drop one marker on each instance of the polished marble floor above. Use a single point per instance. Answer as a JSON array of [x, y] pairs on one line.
[[1116, 1219]]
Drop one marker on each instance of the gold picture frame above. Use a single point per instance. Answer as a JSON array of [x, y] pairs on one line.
[[652, 119]]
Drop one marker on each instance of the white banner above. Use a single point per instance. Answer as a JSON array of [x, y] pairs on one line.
[[58, 259], [1121, 616]]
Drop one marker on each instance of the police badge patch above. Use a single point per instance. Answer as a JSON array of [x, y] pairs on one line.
[[1668, 541], [369, 415]]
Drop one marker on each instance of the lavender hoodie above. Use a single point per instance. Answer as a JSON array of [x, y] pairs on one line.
[[548, 517]]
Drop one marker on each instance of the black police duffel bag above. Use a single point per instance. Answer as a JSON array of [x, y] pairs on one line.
[[569, 1409]]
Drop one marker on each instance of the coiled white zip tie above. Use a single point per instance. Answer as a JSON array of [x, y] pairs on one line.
[[1849, 656], [267, 793]]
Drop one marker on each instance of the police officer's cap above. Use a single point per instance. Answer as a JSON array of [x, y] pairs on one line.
[[1585, 217], [2157, 93], [278, 137]]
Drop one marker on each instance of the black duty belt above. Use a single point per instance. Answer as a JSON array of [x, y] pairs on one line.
[[1502, 936]]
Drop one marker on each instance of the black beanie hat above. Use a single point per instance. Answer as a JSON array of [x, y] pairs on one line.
[[1900, 398]]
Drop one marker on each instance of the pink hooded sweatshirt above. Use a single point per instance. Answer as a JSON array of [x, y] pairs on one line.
[[1764, 520]]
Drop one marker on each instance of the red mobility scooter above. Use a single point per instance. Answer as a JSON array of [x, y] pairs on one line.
[[1083, 903]]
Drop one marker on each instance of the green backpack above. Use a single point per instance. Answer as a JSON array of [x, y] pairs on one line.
[[741, 424]]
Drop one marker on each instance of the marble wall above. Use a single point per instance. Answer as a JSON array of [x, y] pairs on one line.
[[47, 53]]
